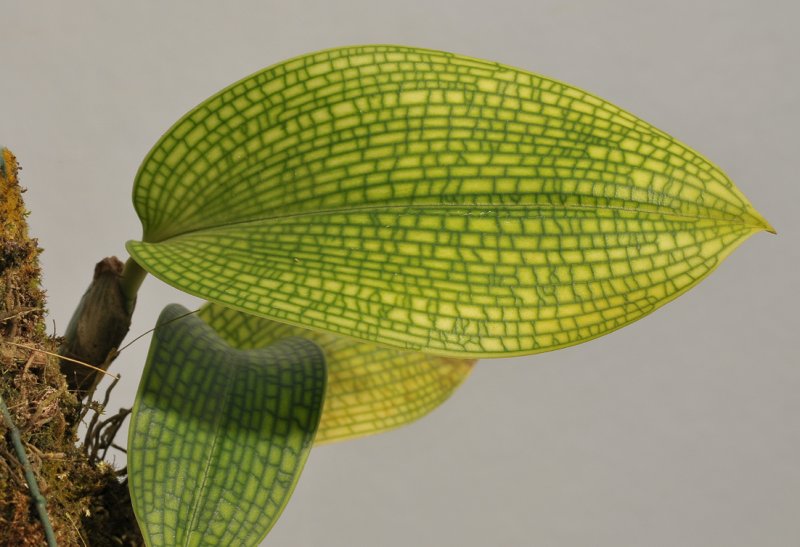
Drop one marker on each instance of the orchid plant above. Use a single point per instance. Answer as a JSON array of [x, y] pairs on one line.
[[366, 222]]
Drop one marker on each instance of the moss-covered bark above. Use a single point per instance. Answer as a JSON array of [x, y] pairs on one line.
[[87, 503]]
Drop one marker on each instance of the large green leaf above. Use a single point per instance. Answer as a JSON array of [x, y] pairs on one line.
[[429, 201], [219, 436], [371, 388]]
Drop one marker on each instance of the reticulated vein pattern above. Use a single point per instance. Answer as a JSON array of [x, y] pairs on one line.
[[219, 436], [370, 388], [425, 200]]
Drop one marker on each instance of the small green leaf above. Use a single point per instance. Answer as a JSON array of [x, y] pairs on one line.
[[219, 436], [371, 388], [429, 201]]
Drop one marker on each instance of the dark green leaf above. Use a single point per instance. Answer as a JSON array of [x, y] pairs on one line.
[[219, 436]]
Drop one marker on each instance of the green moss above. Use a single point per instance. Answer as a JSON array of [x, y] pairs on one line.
[[86, 502]]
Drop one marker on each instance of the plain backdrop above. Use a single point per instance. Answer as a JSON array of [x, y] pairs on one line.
[[681, 429]]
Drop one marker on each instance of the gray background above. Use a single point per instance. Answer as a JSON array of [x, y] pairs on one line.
[[681, 429]]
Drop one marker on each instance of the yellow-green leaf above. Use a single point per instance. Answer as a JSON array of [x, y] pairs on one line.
[[371, 388], [219, 436], [430, 201]]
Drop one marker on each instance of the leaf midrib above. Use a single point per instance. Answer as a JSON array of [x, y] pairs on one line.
[[191, 529], [722, 220]]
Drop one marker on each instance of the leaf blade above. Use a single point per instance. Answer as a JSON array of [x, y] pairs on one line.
[[370, 389], [610, 287], [363, 155], [219, 468]]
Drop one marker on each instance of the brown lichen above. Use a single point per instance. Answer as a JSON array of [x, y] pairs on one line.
[[86, 502]]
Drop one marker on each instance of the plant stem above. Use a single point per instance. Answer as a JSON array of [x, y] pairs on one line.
[[100, 322], [39, 499], [130, 281]]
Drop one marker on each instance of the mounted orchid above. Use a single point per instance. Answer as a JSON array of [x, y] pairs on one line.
[[366, 222]]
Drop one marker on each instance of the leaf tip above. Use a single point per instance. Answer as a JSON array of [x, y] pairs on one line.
[[763, 223]]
